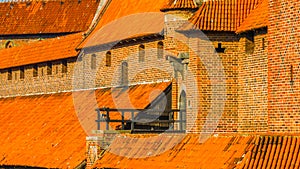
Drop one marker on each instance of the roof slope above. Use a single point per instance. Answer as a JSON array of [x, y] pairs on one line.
[[42, 51], [46, 16], [142, 24], [258, 18], [216, 152], [221, 15], [120, 8], [41, 131], [273, 152], [180, 4], [44, 130]]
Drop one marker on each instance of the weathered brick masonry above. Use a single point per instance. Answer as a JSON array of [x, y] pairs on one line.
[[283, 65]]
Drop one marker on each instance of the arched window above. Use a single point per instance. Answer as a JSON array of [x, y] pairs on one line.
[[108, 58], [124, 73], [182, 108], [160, 50], [141, 53], [93, 61], [9, 44]]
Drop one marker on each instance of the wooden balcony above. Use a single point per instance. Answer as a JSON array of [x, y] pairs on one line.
[[142, 120]]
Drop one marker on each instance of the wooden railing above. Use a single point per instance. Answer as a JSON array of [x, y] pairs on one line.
[[158, 120]]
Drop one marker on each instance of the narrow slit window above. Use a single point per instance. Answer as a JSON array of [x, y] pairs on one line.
[[49, 68], [124, 74], [22, 74], [160, 50], [35, 71], [64, 68], [108, 59], [141, 53], [93, 61], [263, 43], [9, 74]]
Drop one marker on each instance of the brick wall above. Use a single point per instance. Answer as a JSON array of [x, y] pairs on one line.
[[43, 83], [204, 96], [253, 83], [152, 69], [284, 66]]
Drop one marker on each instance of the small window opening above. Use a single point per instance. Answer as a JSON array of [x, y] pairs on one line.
[[160, 50], [64, 68], [108, 59], [22, 74], [141, 53], [9, 74], [49, 68], [93, 61], [263, 43], [35, 71], [124, 73]]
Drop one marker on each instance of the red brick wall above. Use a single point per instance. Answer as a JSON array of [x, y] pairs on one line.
[[153, 69], [206, 114], [284, 36], [43, 83], [253, 84]]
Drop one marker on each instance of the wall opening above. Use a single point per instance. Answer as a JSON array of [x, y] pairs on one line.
[[182, 108], [49, 68], [108, 59], [9, 74], [64, 66], [93, 61], [124, 74], [141, 53], [35, 71], [22, 74], [160, 50]]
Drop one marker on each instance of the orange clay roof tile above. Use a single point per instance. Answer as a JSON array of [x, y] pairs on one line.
[[257, 18], [41, 17], [120, 8], [220, 15], [277, 152], [47, 133], [42, 51], [182, 151], [180, 4]]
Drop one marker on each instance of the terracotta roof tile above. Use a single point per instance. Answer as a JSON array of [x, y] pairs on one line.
[[273, 152], [257, 18], [181, 151], [36, 17], [44, 131], [220, 15], [141, 25], [119, 8], [38, 131], [180, 4], [42, 51]]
